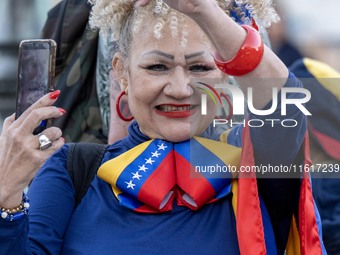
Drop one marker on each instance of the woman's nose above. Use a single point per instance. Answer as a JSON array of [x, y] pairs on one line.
[[179, 84]]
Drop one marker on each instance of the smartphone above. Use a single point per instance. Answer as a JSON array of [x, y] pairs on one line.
[[36, 67]]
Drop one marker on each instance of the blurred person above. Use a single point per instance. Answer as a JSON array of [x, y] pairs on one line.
[[283, 47], [76, 72], [83, 71], [324, 128]]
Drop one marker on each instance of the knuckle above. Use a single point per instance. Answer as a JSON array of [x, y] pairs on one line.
[[38, 158], [15, 136], [41, 102], [57, 145], [21, 149], [53, 133], [35, 114], [9, 119]]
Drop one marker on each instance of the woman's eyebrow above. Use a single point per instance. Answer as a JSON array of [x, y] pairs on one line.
[[172, 57], [194, 55], [161, 53]]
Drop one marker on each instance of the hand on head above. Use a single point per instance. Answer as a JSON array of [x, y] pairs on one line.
[[20, 153]]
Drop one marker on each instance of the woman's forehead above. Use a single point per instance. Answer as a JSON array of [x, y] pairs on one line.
[[110, 16], [188, 34]]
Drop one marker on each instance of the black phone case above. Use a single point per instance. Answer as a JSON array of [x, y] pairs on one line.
[[36, 69]]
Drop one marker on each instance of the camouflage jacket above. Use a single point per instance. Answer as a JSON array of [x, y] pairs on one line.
[[76, 71]]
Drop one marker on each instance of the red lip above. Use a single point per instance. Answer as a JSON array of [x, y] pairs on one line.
[[176, 113]]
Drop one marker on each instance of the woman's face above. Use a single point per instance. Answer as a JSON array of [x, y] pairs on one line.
[[163, 96]]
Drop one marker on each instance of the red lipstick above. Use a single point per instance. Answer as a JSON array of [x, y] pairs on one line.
[[175, 110]]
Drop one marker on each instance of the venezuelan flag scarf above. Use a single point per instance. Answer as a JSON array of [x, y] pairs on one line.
[[149, 177]]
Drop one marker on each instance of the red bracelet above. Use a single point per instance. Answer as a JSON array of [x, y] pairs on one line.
[[247, 58]]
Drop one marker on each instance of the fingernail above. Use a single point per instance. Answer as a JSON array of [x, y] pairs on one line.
[[63, 111], [62, 139], [54, 94]]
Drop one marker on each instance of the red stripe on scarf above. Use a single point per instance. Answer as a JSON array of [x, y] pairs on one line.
[[249, 223], [308, 228], [188, 181], [159, 183]]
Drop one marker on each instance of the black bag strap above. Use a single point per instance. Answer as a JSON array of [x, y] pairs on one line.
[[83, 161]]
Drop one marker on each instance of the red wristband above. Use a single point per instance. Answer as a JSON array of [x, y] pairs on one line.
[[247, 58]]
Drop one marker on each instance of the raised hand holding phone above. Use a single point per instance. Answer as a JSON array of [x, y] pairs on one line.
[[22, 151], [35, 74]]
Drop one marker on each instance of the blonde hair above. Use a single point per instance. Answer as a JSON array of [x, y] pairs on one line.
[[120, 19]]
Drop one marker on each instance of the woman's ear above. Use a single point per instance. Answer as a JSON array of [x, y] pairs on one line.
[[119, 70]]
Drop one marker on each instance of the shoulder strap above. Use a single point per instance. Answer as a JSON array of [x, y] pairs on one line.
[[83, 161]]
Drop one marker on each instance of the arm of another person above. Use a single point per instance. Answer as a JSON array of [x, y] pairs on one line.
[[20, 159], [52, 202]]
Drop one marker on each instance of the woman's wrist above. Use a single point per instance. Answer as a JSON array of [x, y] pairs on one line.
[[17, 212], [10, 199]]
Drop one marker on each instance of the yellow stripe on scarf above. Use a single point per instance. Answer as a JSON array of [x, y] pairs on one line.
[[293, 243], [326, 75], [234, 183], [232, 158], [118, 164]]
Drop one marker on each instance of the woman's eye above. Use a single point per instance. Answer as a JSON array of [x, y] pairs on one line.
[[157, 67], [201, 68]]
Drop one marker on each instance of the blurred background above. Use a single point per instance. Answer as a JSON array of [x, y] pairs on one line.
[[19, 19], [312, 27], [309, 28]]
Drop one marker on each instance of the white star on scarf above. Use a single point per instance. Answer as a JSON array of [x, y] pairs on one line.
[[130, 185], [149, 161], [142, 168], [136, 175], [155, 154], [162, 147]]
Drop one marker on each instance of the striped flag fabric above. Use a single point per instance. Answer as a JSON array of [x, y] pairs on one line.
[[305, 237], [148, 177]]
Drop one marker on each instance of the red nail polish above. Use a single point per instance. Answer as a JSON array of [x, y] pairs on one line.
[[63, 111], [54, 94]]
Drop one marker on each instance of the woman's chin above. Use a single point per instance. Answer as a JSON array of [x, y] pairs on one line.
[[174, 130], [179, 138], [174, 135], [179, 135]]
